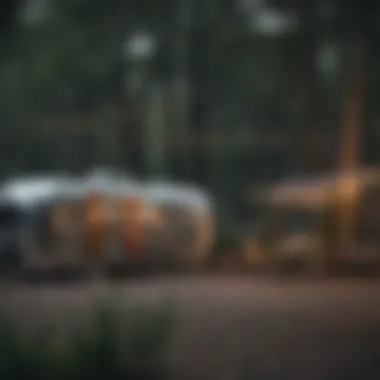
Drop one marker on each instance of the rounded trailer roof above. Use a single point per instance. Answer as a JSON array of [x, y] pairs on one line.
[[29, 191], [110, 184], [180, 194]]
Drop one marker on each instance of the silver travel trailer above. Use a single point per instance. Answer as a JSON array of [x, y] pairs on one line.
[[59, 224]]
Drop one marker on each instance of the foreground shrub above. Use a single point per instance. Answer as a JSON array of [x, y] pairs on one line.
[[114, 346]]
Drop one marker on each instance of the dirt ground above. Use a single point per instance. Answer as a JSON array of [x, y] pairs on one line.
[[237, 328]]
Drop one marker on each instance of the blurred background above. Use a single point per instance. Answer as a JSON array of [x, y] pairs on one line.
[[172, 135], [226, 93]]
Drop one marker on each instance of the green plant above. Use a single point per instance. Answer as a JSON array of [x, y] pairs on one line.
[[114, 346]]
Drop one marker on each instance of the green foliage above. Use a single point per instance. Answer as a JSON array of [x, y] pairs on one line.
[[69, 67], [112, 347]]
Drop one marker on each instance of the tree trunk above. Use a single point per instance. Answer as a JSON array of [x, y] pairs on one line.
[[352, 125]]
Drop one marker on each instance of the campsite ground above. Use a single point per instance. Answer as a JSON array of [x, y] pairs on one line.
[[237, 327]]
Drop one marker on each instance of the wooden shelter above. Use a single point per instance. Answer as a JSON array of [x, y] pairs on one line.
[[318, 201]]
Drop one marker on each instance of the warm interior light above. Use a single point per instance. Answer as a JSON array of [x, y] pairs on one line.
[[149, 214], [348, 187]]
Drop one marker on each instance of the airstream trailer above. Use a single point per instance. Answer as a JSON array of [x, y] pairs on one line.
[[101, 221]]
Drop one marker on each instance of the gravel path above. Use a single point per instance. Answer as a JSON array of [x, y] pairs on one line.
[[238, 327]]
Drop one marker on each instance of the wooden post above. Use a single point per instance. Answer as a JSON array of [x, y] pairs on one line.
[[350, 145]]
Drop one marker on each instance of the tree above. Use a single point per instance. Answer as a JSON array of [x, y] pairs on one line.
[[352, 111], [8, 17]]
